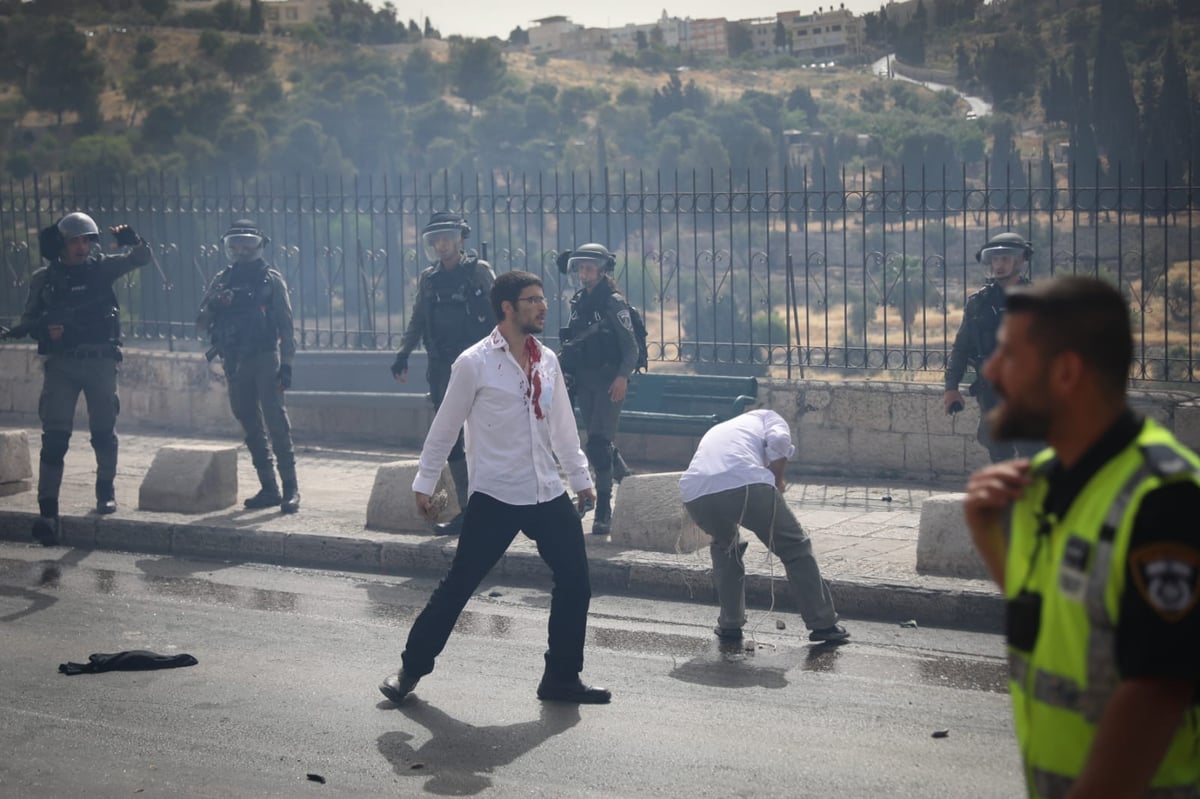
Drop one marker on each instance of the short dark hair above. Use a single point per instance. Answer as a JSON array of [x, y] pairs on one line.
[[1083, 315], [508, 288]]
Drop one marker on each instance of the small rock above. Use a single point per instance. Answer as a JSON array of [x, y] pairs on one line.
[[910, 623], [941, 733], [780, 625], [494, 593], [316, 778], [886, 497]]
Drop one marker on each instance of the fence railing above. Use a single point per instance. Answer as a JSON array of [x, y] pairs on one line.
[[784, 273]]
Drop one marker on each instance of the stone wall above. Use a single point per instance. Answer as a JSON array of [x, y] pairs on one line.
[[856, 428]]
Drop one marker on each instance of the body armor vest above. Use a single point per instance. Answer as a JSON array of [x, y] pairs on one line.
[[244, 326], [458, 310], [84, 303]]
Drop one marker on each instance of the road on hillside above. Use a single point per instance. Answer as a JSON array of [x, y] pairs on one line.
[[283, 701]]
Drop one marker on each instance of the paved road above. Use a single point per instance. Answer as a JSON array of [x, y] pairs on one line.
[[289, 660]]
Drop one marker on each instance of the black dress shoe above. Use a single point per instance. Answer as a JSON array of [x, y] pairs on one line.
[[572, 691], [398, 686], [106, 506]]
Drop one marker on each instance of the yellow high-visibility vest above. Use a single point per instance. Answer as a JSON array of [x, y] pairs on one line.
[[1060, 689]]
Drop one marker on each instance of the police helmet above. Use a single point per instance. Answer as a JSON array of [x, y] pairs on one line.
[[441, 224], [244, 242], [78, 224], [1005, 244], [571, 260]]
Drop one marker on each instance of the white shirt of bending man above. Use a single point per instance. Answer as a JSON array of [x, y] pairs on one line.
[[738, 453], [510, 451]]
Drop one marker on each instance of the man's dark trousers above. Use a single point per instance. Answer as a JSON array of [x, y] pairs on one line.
[[489, 527]]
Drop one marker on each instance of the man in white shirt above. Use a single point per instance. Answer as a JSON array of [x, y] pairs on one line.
[[736, 479], [509, 393]]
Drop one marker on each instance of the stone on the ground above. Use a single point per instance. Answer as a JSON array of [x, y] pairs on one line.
[[190, 478], [944, 544], [15, 469], [391, 507], [648, 514]]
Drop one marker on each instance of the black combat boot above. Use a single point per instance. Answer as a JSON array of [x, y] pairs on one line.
[[47, 529], [106, 497], [291, 497], [268, 496], [603, 518], [620, 469]]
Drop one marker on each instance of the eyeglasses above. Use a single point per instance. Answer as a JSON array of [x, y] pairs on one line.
[[534, 300]]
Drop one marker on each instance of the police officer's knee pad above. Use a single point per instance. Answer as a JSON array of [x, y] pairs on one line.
[[104, 440], [599, 453], [54, 446]]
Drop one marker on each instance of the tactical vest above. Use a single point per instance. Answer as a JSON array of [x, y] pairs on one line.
[[83, 301], [1062, 676], [592, 336], [245, 326], [458, 310]]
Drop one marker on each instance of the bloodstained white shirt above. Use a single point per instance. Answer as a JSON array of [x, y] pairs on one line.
[[735, 453], [510, 450]]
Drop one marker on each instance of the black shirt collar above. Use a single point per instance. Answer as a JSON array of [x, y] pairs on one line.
[[1065, 484]]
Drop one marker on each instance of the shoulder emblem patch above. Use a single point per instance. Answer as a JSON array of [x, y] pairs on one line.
[[623, 318], [1168, 578]]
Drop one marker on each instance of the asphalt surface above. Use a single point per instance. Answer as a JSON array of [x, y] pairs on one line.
[[864, 536], [283, 700]]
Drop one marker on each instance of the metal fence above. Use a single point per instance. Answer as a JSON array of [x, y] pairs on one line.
[[788, 273]]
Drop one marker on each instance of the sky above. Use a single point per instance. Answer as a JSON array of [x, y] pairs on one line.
[[482, 18]]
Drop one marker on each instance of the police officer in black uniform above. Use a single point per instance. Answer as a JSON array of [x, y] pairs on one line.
[[1007, 256], [452, 311], [72, 311], [599, 355], [248, 316]]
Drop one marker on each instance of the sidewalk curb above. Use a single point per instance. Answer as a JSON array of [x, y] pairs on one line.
[[392, 553]]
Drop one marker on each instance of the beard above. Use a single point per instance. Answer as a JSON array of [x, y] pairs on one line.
[[533, 327], [1016, 420]]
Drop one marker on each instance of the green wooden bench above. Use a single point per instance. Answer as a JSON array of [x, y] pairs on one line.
[[683, 404]]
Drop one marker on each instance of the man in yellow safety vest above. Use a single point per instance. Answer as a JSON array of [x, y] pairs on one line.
[[1096, 545]]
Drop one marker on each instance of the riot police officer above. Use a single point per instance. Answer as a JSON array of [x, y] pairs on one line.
[[599, 354], [452, 311], [1006, 256], [248, 316], [72, 311]]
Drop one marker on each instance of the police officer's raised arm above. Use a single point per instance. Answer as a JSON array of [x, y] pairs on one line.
[[139, 255]]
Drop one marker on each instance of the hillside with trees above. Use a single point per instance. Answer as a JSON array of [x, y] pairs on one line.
[[117, 89]]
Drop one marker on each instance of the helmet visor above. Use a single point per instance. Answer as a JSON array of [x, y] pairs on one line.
[[243, 246], [577, 262], [441, 243], [988, 253]]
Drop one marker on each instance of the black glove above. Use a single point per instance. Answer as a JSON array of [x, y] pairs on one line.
[[400, 365], [126, 237], [285, 376]]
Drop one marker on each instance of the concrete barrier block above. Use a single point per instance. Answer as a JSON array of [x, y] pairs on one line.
[[649, 514], [190, 478], [15, 465], [391, 505], [1187, 424], [944, 544]]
